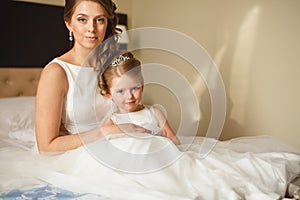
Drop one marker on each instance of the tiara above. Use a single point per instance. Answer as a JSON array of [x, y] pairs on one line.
[[119, 60]]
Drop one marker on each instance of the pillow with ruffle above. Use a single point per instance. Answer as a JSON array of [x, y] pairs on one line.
[[17, 113]]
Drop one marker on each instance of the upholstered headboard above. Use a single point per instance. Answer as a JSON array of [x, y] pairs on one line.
[[19, 81]]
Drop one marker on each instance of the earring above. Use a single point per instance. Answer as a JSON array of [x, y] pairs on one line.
[[70, 36]]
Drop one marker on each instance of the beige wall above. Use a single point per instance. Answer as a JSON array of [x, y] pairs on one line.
[[256, 46]]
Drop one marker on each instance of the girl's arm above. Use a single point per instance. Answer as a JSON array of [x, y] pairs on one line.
[[164, 124]]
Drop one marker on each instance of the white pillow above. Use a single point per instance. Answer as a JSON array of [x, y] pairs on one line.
[[17, 113]]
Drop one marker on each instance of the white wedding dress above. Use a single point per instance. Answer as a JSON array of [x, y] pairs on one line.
[[144, 166]]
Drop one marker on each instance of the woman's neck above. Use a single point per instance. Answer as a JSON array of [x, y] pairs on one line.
[[76, 56], [79, 55]]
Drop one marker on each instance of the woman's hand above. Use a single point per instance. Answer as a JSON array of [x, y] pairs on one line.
[[123, 128]]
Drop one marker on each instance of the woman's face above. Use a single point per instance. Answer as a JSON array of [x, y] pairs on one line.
[[88, 24], [126, 92]]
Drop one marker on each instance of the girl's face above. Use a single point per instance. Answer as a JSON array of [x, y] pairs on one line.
[[126, 92], [88, 24]]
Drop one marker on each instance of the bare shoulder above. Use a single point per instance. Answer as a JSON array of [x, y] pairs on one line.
[[54, 76], [159, 111], [54, 69]]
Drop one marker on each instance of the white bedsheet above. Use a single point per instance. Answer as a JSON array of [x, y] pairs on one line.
[[246, 168]]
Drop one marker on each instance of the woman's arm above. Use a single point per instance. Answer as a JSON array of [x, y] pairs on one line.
[[52, 89], [167, 131], [110, 127]]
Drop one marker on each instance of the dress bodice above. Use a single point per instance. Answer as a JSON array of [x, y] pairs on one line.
[[145, 118], [84, 108]]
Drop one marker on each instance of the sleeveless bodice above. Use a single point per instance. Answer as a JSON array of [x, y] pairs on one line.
[[145, 118], [84, 108]]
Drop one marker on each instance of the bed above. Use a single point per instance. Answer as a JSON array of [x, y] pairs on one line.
[[242, 168]]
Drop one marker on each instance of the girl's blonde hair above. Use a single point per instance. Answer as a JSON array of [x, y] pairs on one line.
[[124, 63]]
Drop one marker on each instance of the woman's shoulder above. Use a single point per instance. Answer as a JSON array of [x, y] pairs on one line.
[[53, 78], [53, 72], [60, 65], [54, 67]]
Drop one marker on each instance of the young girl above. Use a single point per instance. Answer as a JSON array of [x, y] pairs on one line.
[[123, 82]]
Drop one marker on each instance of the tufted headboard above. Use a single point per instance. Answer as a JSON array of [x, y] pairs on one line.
[[19, 81]]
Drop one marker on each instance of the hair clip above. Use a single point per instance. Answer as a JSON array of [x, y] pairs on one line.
[[119, 60]]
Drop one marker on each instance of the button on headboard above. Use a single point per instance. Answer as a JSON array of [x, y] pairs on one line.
[[19, 81]]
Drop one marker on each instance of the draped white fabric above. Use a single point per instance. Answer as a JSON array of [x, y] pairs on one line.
[[243, 168]]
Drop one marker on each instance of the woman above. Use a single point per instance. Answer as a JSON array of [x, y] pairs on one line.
[[90, 22]]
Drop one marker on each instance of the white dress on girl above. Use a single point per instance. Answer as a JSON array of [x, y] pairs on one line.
[[145, 118]]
